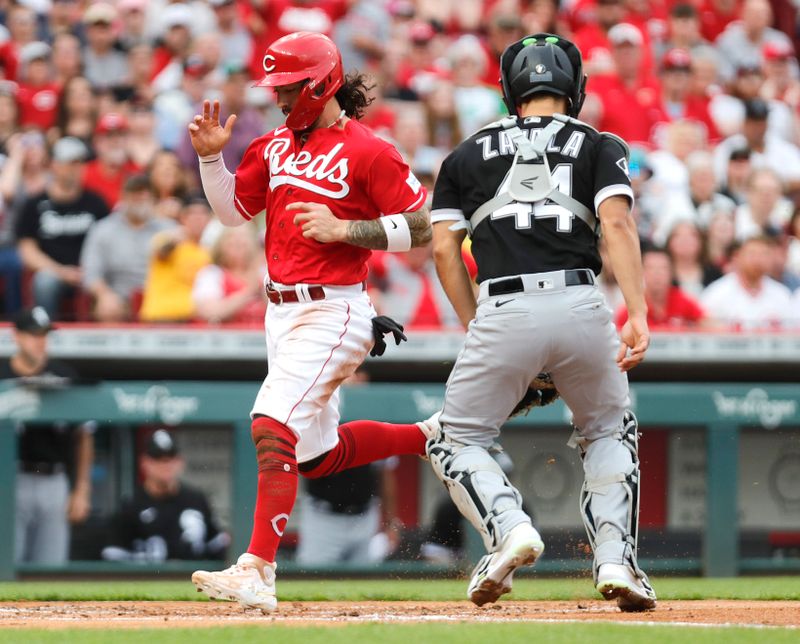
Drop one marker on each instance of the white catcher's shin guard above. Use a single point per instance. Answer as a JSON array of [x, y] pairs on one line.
[[478, 487], [609, 506]]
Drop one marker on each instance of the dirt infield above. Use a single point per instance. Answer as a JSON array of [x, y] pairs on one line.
[[149, 614]]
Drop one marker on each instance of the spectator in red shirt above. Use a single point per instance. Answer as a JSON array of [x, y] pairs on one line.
[[38, 94], [269, 20], [416, 73], [174, 47], [21, 23], [106, 174], [593, 38], [630, 98], [503, 29], [716, 15], [677, 102], [668, 307]]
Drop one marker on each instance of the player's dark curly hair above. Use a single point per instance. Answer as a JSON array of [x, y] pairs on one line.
[[353, 96]]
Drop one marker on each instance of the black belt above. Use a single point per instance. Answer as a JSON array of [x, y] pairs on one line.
[[42, 467], [572, 277]]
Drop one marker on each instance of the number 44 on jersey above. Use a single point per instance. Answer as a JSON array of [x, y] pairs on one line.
[[524, 213]]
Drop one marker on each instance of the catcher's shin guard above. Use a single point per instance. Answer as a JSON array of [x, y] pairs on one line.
[[609, 500], [479, 488]]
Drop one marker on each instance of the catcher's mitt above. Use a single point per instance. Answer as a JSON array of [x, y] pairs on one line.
[[541, 392]]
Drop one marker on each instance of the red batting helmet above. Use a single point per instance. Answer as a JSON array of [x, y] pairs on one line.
[[304, 56]]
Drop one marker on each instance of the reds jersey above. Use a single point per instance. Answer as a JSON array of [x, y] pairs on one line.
[[356, 174]]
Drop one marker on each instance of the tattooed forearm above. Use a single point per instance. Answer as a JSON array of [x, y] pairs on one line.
[[367, 233], [419, 223], [371, 234]]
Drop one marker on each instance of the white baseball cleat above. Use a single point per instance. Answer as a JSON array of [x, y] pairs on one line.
[[430, 427], [492, 576], [616, 581], [250, 581]]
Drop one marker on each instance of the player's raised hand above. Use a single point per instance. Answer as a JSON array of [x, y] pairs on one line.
[[207, 135], [635, 338], [318, 222]]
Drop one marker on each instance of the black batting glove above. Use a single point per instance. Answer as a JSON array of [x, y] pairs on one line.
[[381, 326]]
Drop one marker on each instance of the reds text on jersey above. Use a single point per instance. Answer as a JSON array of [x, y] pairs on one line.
[[356, 174]]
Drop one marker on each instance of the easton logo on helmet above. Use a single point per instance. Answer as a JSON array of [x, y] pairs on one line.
[[540, 69]]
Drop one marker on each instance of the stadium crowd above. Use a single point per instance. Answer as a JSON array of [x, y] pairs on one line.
[[101, 217]]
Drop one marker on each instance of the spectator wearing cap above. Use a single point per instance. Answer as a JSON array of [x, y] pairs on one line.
[[174, 108], [416, 73], [52, 226], [630, 97], [737, 174], [237, 43], [46, 502], [677, 102], [476, 104], [38, 93], [165, 519], [741, 44], [176, 257], [103, 65], [108, 171], [249, 122], [66, 58], [780, 81], [504, 27], [595, 42], [746, 298], [116, 254], [766, 149], [173, 48], [765, 210]]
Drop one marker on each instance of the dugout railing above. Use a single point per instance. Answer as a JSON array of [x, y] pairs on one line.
[[721, 411]]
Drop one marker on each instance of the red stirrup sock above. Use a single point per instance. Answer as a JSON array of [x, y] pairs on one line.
[[365, 441], [277, 485]]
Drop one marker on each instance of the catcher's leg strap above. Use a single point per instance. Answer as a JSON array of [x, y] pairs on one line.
[[479, 488], [609, 500]]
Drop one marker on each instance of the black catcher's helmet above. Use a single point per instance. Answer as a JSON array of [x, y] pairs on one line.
[[542, 63]]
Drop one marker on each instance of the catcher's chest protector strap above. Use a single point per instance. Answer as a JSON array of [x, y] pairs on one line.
[[531, 181]]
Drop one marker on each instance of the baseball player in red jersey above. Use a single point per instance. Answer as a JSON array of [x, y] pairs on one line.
[[332, 192]]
